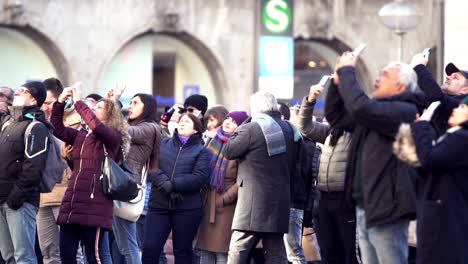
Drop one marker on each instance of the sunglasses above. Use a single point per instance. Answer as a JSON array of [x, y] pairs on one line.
[[193, 111], [9, 97]]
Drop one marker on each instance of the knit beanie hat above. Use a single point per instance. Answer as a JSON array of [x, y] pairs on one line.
[[238, 116], [38, 91], [198, 101]]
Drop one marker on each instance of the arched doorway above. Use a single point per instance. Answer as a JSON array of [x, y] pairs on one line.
[[170, 66], [312, 60], [28, 55]]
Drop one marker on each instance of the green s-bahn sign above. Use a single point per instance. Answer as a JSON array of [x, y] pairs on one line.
[[276, 17]]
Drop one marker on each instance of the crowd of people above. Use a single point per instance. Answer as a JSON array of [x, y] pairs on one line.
[[220, 186]]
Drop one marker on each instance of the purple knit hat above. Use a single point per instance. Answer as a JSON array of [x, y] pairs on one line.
[[238, 116]]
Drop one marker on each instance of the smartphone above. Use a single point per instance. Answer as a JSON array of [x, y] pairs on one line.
[[433, 106], [359, 49], [425, 52], [324, 80], [69, 102], [166, 117], [197, 113]]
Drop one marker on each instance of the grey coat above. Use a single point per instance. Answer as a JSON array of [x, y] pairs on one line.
[[264, 182]]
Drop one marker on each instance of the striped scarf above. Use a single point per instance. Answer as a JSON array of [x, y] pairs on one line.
[[218, 161]]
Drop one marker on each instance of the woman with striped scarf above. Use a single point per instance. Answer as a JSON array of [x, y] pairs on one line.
[[220, 196]]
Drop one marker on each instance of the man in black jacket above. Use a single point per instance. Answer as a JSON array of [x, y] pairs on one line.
[[376, 181], [21, 163], [453, 90]]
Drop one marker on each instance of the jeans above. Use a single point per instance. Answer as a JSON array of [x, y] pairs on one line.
[[126, 239], [159, 223], [383, 244], [293, 239], [243, 242], [337, 233], [49, 235], [104, 248], [18, 233], [208, 257], [70, 238]]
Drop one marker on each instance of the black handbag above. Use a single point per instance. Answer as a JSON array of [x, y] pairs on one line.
[[117, 182]]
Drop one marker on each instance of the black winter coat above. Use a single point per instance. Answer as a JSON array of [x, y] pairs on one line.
[[387, 183], [264, 182], [443, 210], [434, 93], [187, 166], [21, 165]]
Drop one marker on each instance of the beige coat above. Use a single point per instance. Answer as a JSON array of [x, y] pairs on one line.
[[71, 119], [214, 232]]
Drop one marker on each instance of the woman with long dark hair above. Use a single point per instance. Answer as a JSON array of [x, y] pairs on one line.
[[143, 157]]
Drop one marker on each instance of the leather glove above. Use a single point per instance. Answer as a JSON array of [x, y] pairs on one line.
[[165, 187], [176, 198]]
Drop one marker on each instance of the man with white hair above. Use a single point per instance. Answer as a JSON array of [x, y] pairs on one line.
[[266, 148], [377, 183]]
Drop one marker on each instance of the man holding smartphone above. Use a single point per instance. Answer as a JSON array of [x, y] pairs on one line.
[[377, 183], [452, 91]]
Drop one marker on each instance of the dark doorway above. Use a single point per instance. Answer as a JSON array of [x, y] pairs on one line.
[[164, 74]]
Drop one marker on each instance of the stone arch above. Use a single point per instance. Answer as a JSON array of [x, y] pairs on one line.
[[211, 62], [53, 52], [362, 70]]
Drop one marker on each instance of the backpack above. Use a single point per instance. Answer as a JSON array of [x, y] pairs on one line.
[[52, 173]]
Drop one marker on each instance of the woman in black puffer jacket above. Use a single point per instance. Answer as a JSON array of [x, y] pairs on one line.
[[175, 202]]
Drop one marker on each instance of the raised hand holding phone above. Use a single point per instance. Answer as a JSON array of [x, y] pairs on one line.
[[314, 92], [324, 80], [77, 87]]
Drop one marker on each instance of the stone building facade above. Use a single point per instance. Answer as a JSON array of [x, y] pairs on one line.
[[82, 37]]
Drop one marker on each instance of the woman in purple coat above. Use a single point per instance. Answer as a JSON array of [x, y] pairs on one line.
[[85, 211]]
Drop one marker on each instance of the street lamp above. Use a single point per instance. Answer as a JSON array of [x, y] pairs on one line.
[[401, 17]]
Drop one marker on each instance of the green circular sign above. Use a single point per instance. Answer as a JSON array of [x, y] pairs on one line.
[[276, 16]]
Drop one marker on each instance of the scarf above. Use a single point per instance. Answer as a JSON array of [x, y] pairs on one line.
[[274, 137], [218, 161]]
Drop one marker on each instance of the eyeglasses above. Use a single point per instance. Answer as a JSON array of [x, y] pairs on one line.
[[9, 97], [22, 90]]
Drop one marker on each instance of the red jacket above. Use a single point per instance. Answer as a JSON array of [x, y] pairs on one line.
[[84, 203]]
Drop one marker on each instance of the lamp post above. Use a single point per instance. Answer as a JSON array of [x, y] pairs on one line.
[[400, 16]]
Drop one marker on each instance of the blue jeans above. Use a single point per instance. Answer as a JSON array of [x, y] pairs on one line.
[[293, 239], [18, 233], [208, 257], [125, 234], [104, 248], [383, 244]]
